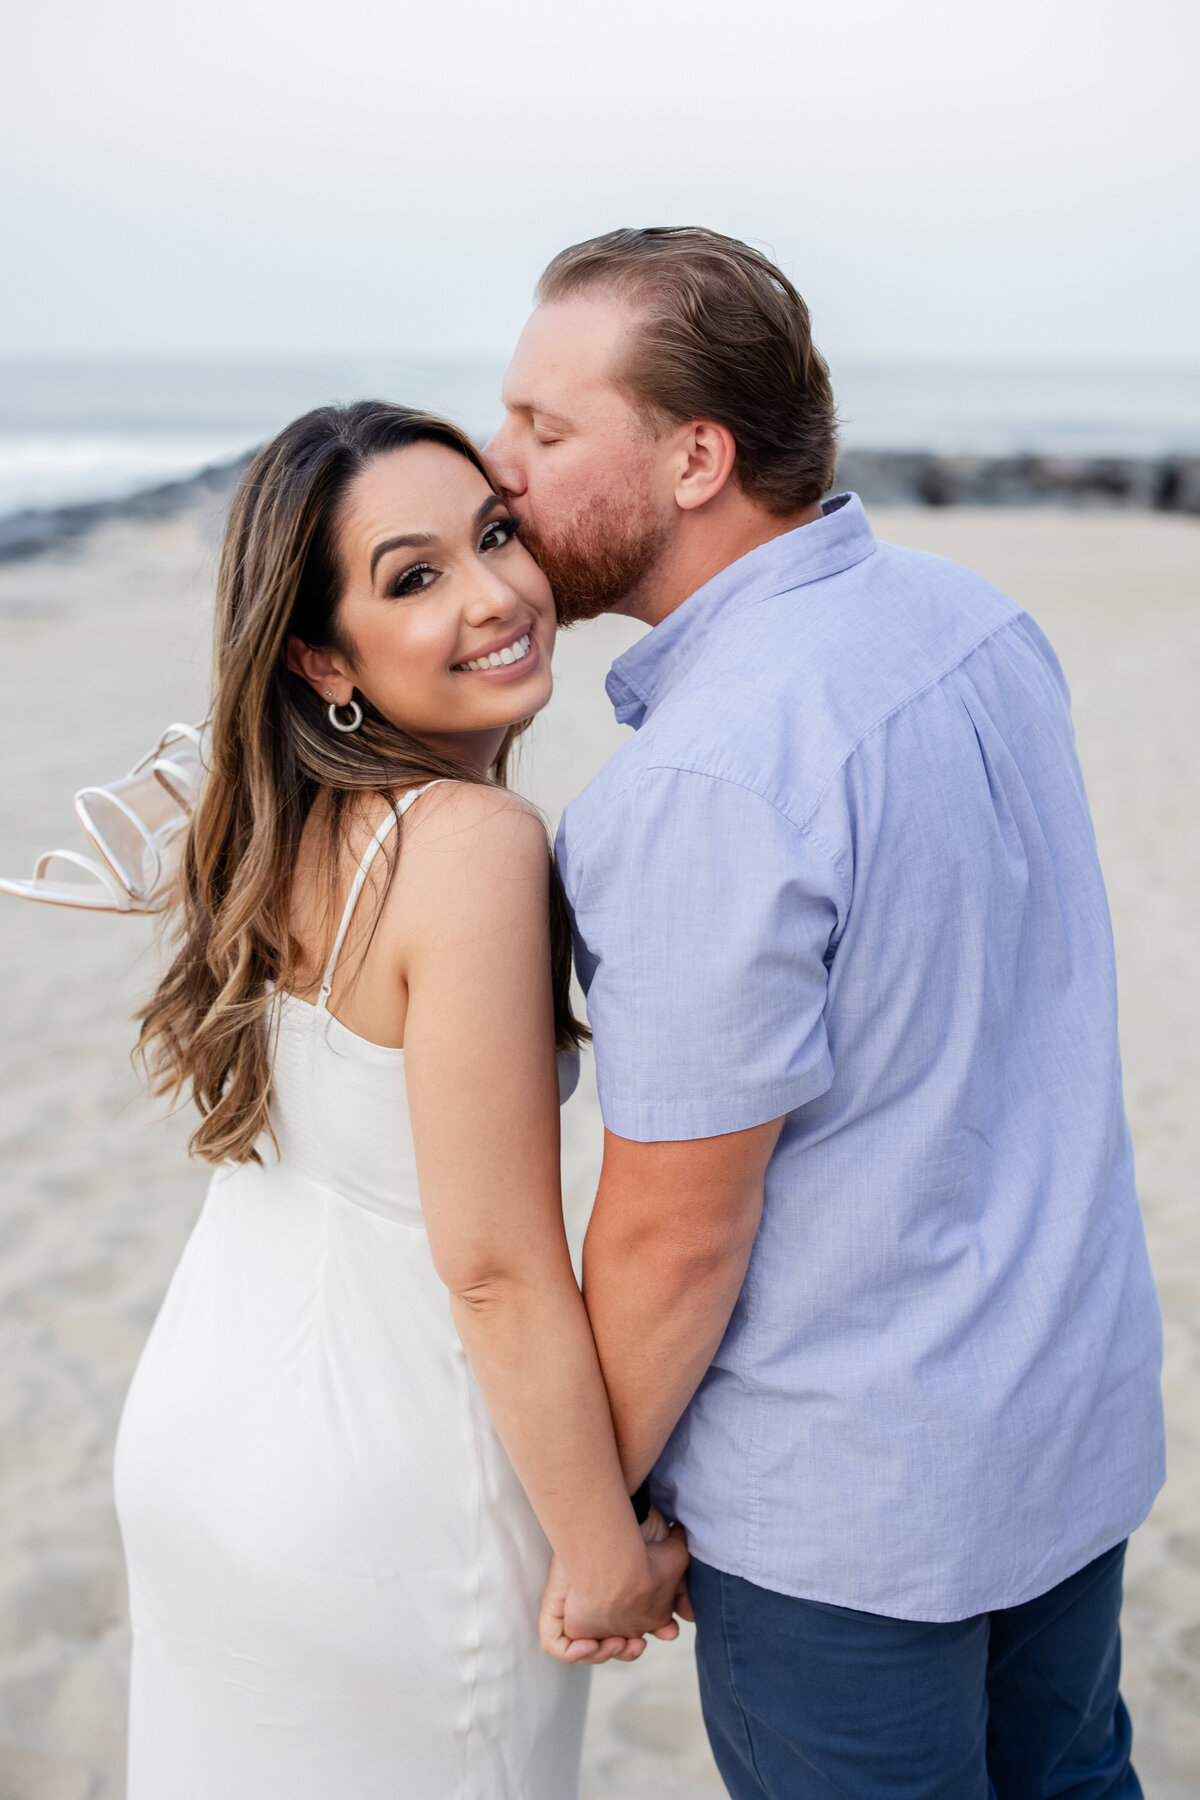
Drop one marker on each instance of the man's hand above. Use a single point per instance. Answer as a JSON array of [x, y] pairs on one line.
[[593, 1629]]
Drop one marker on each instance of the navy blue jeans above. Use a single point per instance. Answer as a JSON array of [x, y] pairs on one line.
[[805, 1701]]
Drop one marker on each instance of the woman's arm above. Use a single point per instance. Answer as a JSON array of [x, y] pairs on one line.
[[472, 918]]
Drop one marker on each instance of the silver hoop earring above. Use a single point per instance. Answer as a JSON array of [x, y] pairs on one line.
[[356, 717]]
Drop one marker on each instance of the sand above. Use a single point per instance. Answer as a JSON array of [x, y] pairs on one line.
[[102, 647]]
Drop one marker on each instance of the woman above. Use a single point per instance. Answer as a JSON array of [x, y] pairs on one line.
[[336, 1529]]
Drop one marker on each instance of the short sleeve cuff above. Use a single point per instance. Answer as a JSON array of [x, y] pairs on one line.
[[673, 1121]]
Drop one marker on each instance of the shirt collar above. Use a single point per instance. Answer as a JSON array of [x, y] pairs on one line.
[[837, 540]]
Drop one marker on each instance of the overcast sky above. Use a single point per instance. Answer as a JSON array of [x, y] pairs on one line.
[[942, 178]]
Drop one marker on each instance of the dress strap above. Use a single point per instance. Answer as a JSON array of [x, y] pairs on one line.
[[369, 854]]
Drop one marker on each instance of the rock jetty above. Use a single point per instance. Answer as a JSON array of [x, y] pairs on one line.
[[37, 529], [882, 477], [900, 478]]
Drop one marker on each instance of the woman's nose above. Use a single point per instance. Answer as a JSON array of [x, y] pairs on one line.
[[491, 597]]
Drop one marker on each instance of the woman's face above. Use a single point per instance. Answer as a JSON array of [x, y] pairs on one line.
[[448, 619]]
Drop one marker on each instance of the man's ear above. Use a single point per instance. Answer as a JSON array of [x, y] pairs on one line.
[[707, 454], [324, 670]]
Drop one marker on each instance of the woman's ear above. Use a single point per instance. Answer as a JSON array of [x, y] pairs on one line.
[[324, 671]]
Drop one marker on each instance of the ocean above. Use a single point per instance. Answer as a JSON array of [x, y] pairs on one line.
[[80, 429]]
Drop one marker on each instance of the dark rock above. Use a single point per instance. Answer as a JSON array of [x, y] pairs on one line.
[[909, 477], [1179, 486]]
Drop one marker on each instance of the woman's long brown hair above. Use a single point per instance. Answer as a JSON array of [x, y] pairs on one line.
[[274, 755]]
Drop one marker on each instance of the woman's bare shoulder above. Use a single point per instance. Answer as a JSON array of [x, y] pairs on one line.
[[474, 815], [441, 811], [467, 846]]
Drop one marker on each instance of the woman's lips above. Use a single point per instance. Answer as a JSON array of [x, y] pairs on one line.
[[518, 652]]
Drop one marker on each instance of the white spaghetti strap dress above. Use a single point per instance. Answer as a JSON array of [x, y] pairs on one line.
[[334, 1572]]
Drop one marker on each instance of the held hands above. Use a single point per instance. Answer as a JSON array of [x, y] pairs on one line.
[[596, 1626]]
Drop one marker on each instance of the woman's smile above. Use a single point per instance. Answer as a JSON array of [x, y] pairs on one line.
[[517, 651]]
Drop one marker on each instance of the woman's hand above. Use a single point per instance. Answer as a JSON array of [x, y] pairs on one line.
[[602, 1620]]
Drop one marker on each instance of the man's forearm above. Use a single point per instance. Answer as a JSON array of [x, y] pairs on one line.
[[664, 1261], [656, 1337]]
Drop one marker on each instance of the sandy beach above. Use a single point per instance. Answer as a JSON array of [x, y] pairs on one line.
[[102, 647]]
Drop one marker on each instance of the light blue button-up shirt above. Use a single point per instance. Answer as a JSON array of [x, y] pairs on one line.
[[845, 873]]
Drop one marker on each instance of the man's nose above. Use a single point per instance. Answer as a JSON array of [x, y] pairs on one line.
[[504, 465]]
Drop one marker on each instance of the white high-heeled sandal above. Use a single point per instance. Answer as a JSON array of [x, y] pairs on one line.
[[137, 824]]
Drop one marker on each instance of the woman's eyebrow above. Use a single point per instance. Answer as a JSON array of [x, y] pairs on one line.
[[415, 540], [421, 540]]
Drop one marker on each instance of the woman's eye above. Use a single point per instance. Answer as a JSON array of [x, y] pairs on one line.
[[498, 533], [413, 580]]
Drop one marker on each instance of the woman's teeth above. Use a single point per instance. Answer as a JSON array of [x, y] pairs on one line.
[[499, 659]]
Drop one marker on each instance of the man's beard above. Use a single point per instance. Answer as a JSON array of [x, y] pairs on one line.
[[598, 559]]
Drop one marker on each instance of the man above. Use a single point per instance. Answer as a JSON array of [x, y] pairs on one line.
[[866, 1269]]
